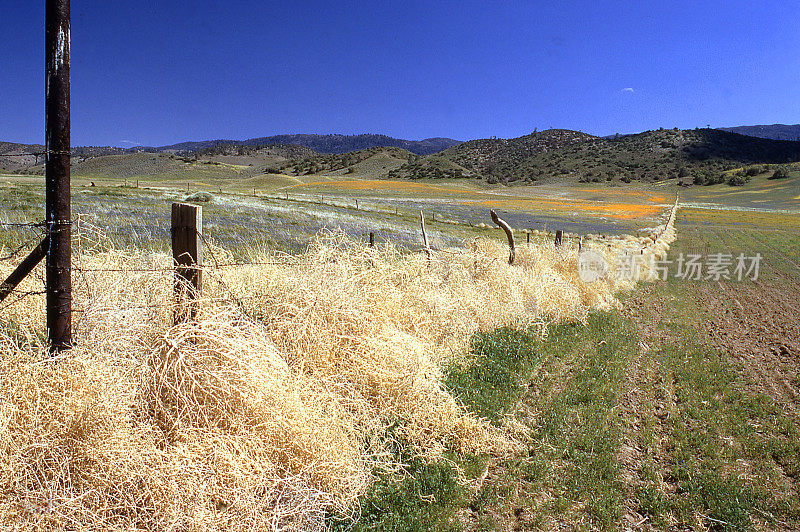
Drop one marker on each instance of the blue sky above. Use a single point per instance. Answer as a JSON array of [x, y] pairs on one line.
[[161, 72]]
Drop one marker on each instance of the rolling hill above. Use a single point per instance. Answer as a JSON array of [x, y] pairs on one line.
[[14, 158], [562, 154], [329, 144], [774, 131], [556, 155]]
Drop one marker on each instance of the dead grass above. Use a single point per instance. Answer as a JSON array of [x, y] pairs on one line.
[[273, 407]]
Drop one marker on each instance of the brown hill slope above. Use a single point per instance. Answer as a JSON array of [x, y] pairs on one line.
[[649, 156]]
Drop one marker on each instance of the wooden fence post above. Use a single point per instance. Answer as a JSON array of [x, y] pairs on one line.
[[371, 239], [25, 268], [558, 237], [427, 248], [509, 234], [356, 204], [187, 253]]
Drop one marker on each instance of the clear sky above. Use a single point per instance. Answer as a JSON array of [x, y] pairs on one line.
[[166, 71]]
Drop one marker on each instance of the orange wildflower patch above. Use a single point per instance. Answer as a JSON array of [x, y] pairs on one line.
[[615, 210], [374, 184]]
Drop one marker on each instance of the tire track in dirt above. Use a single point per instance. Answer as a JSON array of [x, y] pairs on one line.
[[648, 399]]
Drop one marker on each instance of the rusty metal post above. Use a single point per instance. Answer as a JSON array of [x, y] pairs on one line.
[[57, 175]]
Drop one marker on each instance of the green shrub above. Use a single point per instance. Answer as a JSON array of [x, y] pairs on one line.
[[738, 180], [780, 173]]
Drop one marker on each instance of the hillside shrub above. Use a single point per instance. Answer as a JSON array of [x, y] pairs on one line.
[[738, 179], [780, 173]]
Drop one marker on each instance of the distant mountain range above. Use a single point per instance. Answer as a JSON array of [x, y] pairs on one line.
[[555, 155], [327, 144], [774, 131]]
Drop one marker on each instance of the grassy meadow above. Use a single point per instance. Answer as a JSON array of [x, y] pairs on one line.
[[333, 386]]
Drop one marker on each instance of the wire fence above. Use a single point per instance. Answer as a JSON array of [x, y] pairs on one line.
[[89, 237]]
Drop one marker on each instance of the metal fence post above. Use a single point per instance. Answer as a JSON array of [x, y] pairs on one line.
[[58, 213]]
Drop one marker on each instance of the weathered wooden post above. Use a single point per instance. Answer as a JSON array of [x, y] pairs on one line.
[[427, 248], [509, 234], [558, 237], [25, 268], [356, 204], [527, 238], [187, 253], [58, 213], [371, 239], [580, 244]]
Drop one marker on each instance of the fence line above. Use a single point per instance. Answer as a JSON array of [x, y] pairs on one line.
[[216, 265]]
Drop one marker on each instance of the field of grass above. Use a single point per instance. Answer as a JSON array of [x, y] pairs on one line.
[[676, 409], [761, 193], [285, 212], [644, 418]]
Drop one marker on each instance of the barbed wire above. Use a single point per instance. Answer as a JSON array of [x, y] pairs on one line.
[[36, 154], [23, 224], [19, 295]]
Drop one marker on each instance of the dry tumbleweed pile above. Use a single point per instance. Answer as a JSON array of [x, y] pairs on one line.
[[270, 410]]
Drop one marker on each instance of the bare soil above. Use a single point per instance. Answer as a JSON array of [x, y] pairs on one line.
[[757, 325]]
